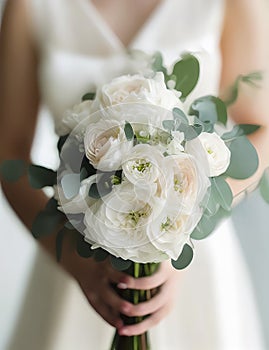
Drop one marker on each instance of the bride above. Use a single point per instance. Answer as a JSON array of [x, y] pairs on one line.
[[52, 52]]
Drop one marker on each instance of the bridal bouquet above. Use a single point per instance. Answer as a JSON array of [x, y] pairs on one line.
[[143, 173]]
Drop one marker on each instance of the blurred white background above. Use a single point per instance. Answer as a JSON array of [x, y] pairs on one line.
[[18, 253]]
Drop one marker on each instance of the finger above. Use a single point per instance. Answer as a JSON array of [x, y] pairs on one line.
[[150, 306], [145, 325], [105, 311], [114, 301], [150, 282]]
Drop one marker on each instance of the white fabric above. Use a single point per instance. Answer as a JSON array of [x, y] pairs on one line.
[[215, 309]]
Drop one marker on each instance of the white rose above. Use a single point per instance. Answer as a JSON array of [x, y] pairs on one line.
[[106, 144], [215, 151], [137, 88], [173, 226], [73, 117], [120, 223], [143, 165]]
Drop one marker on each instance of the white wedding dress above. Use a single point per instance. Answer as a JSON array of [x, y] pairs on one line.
[[215, 308]]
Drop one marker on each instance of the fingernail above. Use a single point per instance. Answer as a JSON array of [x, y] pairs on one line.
[[122, 285]]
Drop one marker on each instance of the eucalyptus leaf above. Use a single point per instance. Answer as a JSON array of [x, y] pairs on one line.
[[187, 72], [40, 176], [52, 205], [192, 131], [93, 191], [61, 142], [88, 96], [83, 248], [129, 132], [169, 125], [264, 185], [157, 64], [45, 223], [70, 184], [178, 114], [240, 130], [184, 259], [222, 192], [100, 254], [204, 228], [250, 79], [244, 159], [119, 264], [209, 109], [12, 170]]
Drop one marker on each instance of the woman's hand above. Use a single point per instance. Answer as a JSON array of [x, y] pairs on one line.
[[96, 279]]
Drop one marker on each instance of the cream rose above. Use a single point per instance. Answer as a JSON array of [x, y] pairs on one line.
[[137, 88], [106, 144], [215, 152], [73, 117]]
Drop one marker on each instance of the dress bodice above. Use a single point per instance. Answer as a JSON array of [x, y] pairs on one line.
[[79, 51]]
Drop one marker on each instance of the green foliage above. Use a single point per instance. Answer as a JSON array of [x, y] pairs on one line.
[[264, 185], [129, 132], [46, 222], [70, 184], [12, 170], [209, 109], [244, 159], [119, 264], [157, 64], [250, 79], [61, 142], [184, 259], [83, 248], [221, 192], [88, 96], [100, 254], [204, 228], [40, 176], [187, 72], [239, 130]]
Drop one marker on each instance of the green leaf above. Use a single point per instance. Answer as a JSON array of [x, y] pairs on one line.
[[204, 228], [184, 259], [52, 205], [187, 72], [157, 64], [209, 109], [192, 131], [70, 184], [93, 191], [222, 192], [178, 114], [129, 132], [45, 223], [249, 79], [169, 125], [119, 264], [40, 176], [100, 254], [88, 96], [12, 170], [240, 130], [83, 248], [264, 185], [61, 142], [59, 243], [244, 159]]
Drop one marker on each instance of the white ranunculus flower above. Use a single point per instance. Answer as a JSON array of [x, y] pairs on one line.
[[215, 152], [73, 117], [173, 226], [106, 144], [120, 223], [136, 88], [143, 165]]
